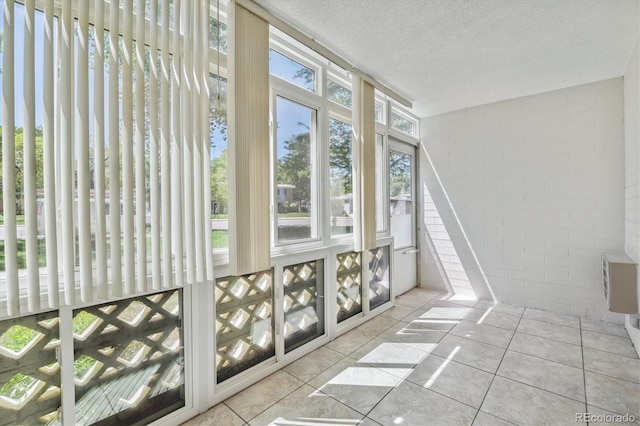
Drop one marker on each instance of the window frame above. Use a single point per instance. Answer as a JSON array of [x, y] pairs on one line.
[[394, 108], [290, 92]]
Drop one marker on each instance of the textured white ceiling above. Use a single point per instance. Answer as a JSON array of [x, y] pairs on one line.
[[446, 55]]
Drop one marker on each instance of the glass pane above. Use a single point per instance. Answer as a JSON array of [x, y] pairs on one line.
[[303, 303], [339, 94], [400, 191], [129, 361], [379, 277], [348, 282], [340, 175], [217, 35], [379, 112], [402, 124], [29, 370], [219, 177], [291, 71], [244, 323], [295, 187], [37, 142], [380, 181]]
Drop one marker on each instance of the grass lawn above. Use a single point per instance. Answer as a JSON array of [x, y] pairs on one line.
[[294, 214], [19, 219], [219, 239]]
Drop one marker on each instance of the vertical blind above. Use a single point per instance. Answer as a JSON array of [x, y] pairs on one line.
[[105, 150]]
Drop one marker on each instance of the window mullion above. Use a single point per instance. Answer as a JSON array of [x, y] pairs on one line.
[[66, 360]]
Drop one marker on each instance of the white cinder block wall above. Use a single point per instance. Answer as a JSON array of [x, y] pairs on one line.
[[631, 175], [526, 194]]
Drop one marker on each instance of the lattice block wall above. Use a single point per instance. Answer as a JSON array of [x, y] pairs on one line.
[[303, 309], [244, 323], [379, 284], [349, 285], [29, 370], [129, 364]]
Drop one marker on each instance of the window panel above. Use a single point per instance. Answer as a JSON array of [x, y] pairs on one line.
[[291, 71], [403, 124], [339, 94], [401, 198], [295, 172], [340, 175], [219, 162], [129, 361], [379, 292], [29, 370], [349, 285], [303, 303], [380, 185], [244, 323], [217, 35]]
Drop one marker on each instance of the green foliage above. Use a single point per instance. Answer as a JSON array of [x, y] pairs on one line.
[[220, 182], [340, 157], [295, 167], [217, 107], [17, 337], [20, 169], [399, 174], [339, 94], [82, 365], [22, 254], [131, 350], [219, 239], [82, 321], [17, 387]]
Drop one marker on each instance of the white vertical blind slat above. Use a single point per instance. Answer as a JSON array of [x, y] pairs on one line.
[[8, 163], [66, 153], [140, 210], [197, 146], [48, 131], [206, 162], [82, 138], [89, 140], [176, 147], [156, 264], [165, 135], [30, 166], [114, 150], [187, 142], [127, 149], [102, 279]]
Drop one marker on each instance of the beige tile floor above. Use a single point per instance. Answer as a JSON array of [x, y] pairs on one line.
[[435, 361]]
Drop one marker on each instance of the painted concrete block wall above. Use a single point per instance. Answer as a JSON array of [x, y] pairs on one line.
[[524, 195], [631, 173]]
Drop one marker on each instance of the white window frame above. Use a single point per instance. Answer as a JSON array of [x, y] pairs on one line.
[[292, 93], [394, 108]]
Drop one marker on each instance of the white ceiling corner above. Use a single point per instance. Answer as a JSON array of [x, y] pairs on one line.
[[447, 55]]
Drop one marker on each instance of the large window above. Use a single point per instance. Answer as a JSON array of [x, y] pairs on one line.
[[312, 130], [295, 171]]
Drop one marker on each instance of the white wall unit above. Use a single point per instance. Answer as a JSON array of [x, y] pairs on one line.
[[619, 274]]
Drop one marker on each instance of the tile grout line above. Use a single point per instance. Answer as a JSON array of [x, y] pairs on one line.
[[584, 374], [496, 373], [405, 379], [298, 387]]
